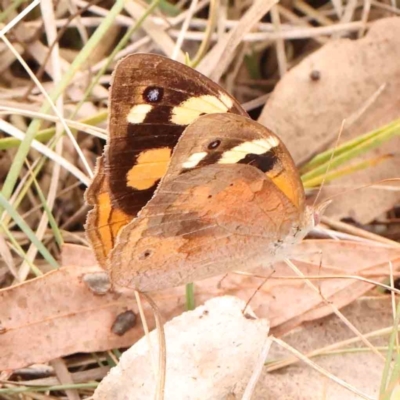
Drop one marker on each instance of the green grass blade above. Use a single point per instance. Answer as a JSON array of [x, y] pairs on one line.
[[190, 302], [20, 251], [110, 58], [352, 152], [383, 394], [52, 221], [394, 379], [28, 231], [168, 8], [10, 9], [365, 142], [25, 389], [47, 134], [339, 173]]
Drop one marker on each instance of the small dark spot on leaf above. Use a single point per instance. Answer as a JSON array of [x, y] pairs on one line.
[[315, 75], [124, 322], [146, 254], [98, 282]]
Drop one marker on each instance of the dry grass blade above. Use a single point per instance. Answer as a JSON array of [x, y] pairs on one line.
[[64, 377], [51, 195], [337, 312], [6, 127], [218, 59], [320, 370], [250, 388]]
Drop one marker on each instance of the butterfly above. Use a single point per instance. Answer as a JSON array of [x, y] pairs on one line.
[[188, 185]]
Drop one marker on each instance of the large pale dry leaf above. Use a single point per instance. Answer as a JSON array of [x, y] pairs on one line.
[[211, 353], [60, 314], [307, 114], [363, 370]]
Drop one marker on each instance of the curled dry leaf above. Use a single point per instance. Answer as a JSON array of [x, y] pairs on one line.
[[211, 352], [43, 333], [307, 113]]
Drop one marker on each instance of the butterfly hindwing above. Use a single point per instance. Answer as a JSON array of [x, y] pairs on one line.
[[233, 139], [230, 200]]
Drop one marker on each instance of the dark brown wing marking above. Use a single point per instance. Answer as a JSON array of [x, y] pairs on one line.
[[152, 88]]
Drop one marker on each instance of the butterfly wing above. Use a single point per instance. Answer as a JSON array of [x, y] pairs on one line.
[[152, 100], [236, 205]]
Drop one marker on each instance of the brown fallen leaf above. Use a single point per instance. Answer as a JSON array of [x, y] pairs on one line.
[[307, 113], [76, 319], [57, 314], [361, 369]]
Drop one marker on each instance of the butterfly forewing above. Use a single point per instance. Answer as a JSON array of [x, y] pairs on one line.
[[152, 100]]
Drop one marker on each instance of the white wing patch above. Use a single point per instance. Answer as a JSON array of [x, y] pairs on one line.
[[189, 110], [138, 113], [194, 159], [258, 146], [226, 99]]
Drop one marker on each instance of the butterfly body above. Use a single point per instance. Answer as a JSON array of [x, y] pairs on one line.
[[188, 187]]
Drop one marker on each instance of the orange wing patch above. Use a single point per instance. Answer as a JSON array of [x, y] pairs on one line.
[[285, 184], [109, 222], [151, 166], [104, 221]]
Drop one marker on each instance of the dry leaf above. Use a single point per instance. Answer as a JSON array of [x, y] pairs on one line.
[[307, 114], [316, 258], [43, 333], [362, 370], [57, 314], [211, 353]]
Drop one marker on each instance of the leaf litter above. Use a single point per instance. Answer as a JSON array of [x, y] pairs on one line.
[[307, 113], [73, 305], [71, 310]]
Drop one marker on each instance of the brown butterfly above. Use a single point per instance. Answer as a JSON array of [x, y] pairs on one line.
[[188, 185]]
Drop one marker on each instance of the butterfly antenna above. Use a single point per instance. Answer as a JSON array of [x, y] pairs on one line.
[[330, 162], [369, 185], [351, 120]]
